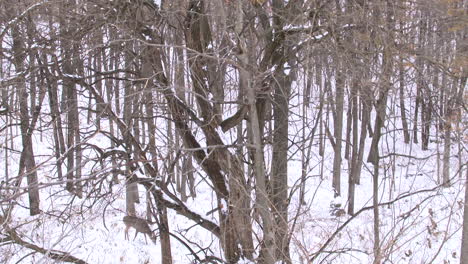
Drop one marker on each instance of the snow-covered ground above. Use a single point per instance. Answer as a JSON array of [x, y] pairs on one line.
[[422, 223]]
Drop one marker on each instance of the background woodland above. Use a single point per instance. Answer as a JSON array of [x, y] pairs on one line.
[[230, 114]]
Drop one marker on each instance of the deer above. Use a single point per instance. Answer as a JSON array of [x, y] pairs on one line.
[[140, 226]]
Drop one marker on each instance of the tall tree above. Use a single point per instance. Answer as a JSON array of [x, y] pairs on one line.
[[27, 164]]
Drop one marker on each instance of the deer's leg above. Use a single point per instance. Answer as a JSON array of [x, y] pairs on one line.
[[126, 233], [136, 233]]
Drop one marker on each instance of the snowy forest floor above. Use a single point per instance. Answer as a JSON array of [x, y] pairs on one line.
[[420, 221]]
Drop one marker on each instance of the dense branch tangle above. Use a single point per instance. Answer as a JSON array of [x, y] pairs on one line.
[[160, 83]]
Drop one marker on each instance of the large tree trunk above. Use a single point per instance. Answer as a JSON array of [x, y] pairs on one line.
[[166, 252], [279, 165], [27, 162], [262, 202], [268, 249]]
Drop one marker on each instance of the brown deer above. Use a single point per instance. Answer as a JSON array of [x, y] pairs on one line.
[[140, 226]]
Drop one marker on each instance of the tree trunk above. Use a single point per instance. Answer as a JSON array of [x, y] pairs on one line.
[[355, 147], [404, 120], [27, 161], [448, 119], [131, 188], [166, 252], [375, 204], [366, 109], [464, 245], [74, 123], [381, 105], [268, 249], [279, 164], [337, 130]]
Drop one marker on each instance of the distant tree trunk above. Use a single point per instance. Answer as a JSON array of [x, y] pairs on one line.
[[404, 120], [56, 118], [307, 149], [428, 108], [355, 147], [374, 158], [136, 112], [69, 90], [447, 146], [150, 118], [66, 94], [7, 167], [74, 123], [322, 96], [460, 94], [442, 101], [56, 106], [3, 92], [337, 130], [419, 85], [380, 117], [349, 124], [110, 63], [366, 109], [448, 118], [415, 117], [4, 105], [131, 189], [70, 67], [340, 75], [464, 245], [180, 89], [353, 110], [99, 56], [375, 204]]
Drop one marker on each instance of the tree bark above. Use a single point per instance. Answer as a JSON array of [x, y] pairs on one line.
[[279, 164], [27, 161], [381, 105], [402, 96], [337, 131], [268, 249], [131, 188], [464, 245]]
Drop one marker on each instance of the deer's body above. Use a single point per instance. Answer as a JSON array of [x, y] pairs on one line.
[[140, 226]]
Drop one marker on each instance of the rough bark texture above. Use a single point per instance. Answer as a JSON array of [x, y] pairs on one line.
[[337, 131], [27, 161]]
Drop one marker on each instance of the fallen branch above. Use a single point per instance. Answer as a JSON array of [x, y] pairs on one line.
[[53, 254]]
